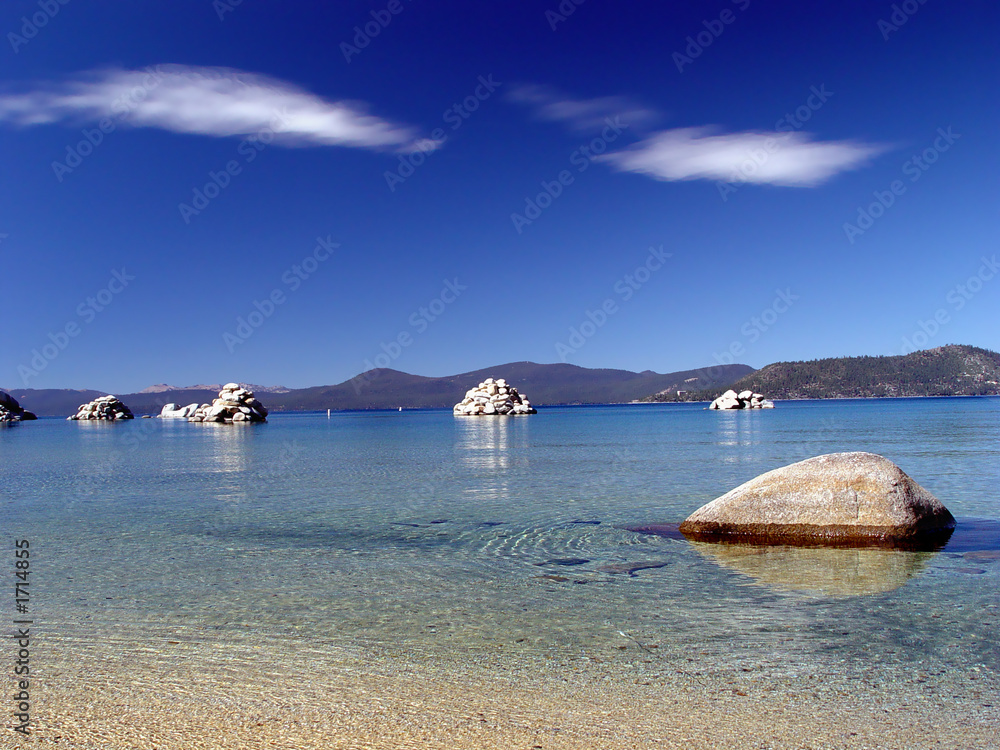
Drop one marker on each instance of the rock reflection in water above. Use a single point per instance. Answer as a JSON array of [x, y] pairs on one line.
[[825, 571], [230, 447], [495, 449], [485, 442]]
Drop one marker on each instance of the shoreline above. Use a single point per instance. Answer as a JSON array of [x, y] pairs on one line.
[[403, 409]]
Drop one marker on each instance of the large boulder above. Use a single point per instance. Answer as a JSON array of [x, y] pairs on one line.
[[493, 397], [105, 408], [11, 411], [839, 498]]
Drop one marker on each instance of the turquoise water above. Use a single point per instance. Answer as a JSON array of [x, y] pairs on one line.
[[428, 536]]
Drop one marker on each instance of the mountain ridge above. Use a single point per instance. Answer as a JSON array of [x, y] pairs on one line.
[[165, 388], [544, 384], [950, 370]]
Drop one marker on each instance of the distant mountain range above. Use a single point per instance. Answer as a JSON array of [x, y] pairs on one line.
[[945, 371], [951, 370], [543, 384], [389, 389], [164, 388]]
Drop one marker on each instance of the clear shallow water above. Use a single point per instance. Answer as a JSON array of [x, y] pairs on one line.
[[450, 539]]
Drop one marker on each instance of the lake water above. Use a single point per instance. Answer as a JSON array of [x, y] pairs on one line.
[[420, 536]]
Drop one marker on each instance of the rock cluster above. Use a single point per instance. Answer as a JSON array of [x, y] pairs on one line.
[[11, 411], [104, 408], [235, 404], [493, 397], [839, 498], [743, 400]]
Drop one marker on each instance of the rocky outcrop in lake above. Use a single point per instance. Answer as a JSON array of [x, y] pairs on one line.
[[173, 411], [11, 411], [235, 404], [743, 400], [493, 397], [852, 499], [105, 408]]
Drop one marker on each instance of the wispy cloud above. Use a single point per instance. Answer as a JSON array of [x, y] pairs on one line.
[[785, 158], [580, 114], [207, 101]]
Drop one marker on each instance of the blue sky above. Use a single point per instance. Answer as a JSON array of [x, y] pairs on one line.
[[292, 192]]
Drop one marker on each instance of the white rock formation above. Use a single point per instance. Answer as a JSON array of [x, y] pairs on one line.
[[743, 400], [234, 404], [173, 411], [493, 397], [103, 408]]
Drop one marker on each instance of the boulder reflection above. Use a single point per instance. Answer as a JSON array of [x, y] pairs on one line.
[[825, 571]]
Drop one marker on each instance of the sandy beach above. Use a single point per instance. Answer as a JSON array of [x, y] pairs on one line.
[[193, 695]]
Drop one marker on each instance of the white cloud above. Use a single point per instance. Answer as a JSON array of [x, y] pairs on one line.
[[208, 101], [580, 114], [786, 158]]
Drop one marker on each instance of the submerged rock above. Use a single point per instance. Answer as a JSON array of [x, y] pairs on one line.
[[854, 499], [11, 411], [631, 568], [493, 397], [105, 408], [565, 561]]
